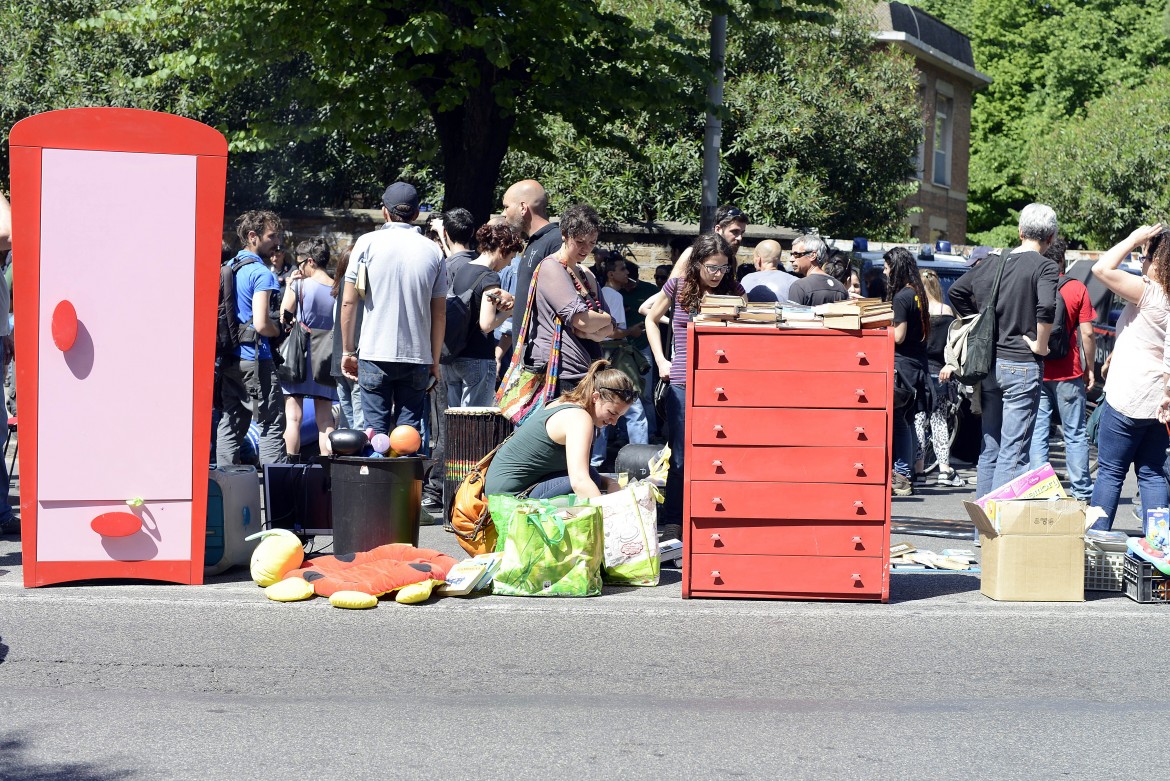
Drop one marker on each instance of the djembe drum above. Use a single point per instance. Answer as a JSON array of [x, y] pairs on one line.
[[472, 433]]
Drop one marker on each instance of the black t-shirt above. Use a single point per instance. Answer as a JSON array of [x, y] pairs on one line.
[[541, 244], [817, 289], [479, 344], [906, 310]]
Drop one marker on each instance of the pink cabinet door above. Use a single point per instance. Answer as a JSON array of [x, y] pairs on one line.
[[120, 372]]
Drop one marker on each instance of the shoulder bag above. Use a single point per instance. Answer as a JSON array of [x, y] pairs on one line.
[[525, 390], [294, 350], [971, 339]]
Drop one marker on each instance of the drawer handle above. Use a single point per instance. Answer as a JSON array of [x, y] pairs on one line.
[[860, 505], [860, 393], [718, 429], [860, 432], [715, 500], [857, 541], [715, 574], [716, 538], [717, 464], [721, 355], [857, 577], [720, 392], [859, 467]]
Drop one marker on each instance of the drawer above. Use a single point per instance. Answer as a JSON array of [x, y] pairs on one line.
[[790, 427], [802, 389], [830, 352], [804, 464], [787, 538], [795, 501], [828, 576]]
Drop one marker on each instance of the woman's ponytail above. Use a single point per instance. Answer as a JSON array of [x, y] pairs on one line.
[[603, 380]]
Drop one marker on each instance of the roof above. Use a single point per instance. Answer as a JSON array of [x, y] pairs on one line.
[[928, 39]]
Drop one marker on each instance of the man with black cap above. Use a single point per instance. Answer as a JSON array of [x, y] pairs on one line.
[[400, 278]]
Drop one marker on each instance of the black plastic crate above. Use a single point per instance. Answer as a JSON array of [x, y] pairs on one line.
[[1144, 583]]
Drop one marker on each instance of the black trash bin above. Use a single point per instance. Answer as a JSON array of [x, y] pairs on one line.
[[376, 501]]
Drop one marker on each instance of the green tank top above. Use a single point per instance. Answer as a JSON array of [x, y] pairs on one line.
[[528, 457]]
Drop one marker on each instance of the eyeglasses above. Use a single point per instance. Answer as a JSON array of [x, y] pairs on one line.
[[804, 253], [717, 269], [625, 394]]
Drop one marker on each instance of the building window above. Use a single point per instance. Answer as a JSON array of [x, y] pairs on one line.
[[944, 108], [920, 151]]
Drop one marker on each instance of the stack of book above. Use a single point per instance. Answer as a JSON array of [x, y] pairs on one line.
[[856, 313], [716, 307], [760, 312]]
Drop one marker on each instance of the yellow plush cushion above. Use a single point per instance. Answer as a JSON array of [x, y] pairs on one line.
[[414, 593], [353, 600], [279, 553], [291, 590]]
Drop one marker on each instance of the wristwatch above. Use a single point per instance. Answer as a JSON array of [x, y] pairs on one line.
[[347, 354]]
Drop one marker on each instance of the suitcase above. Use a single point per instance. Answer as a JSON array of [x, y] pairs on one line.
[[296, 497], [233, 513]]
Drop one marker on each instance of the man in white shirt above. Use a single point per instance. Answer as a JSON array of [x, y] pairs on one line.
[[400, 278]]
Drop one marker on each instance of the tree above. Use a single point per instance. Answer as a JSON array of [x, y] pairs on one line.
[[825, 139], [487, 76], [1047, 59], [1105, 177]]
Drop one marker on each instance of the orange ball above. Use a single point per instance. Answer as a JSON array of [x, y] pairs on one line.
[[405, 440]]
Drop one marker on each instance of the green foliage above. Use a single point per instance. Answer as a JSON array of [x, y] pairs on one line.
[[824, 139], [1048, 59], [1103, 176]]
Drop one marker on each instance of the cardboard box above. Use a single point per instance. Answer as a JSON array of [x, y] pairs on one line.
[[1038, 483], [1034, 550]]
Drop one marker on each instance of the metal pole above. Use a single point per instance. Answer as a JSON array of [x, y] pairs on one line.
[[713, 134]]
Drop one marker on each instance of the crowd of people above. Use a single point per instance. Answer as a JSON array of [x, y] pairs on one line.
[[543, 292]]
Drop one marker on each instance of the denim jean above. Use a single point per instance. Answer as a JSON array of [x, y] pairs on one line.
[[244, 385], [676, 408], [349, 396], [471, 382], [560, 485], [648, 380], [1122, 441], [903, 445], [393, 394], [636, 431], [1010, 398], [1067, 397]]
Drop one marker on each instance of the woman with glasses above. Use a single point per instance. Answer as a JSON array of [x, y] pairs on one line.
[[309, 299], [1132, 425], [708, 270], [549, 453], [568, 300], [911, 332]]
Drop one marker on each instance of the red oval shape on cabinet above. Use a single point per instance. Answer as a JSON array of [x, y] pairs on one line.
[[64, 326], [116, 524]]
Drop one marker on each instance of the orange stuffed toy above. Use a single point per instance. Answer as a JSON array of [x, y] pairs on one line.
[[379, 571]]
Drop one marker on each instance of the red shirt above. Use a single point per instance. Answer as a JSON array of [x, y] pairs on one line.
[[1078, 309]]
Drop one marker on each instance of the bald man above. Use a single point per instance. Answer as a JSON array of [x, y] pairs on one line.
[[526, 212], [769, 282]]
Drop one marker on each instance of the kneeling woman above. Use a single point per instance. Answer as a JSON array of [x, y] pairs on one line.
[[549, 453]]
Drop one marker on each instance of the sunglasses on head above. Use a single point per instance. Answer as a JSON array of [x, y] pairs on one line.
[[625, 394]]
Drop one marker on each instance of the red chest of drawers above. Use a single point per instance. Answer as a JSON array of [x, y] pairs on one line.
[[787, 491]]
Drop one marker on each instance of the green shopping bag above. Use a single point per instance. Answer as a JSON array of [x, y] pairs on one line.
[[548, 551]]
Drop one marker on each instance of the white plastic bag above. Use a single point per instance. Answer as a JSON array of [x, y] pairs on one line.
[[630, 521]]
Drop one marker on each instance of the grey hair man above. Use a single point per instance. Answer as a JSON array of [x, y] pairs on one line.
[[809, 253], [769, 282], [1024, 310]]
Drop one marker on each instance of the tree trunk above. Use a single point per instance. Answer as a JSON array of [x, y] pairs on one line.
[[473, 139]]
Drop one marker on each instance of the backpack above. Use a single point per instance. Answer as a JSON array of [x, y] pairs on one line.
[[230, 333], [1058, 342], [460, 319]]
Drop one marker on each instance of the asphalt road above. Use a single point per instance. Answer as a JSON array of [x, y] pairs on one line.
[[137, 681]]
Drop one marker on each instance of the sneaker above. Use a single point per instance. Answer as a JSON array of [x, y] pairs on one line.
[[433, 507], [902, 486], [951, 478]]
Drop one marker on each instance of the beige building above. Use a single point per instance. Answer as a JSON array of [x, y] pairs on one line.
[[947, 79]]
